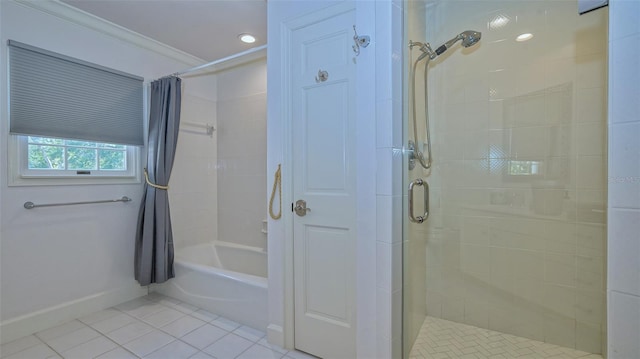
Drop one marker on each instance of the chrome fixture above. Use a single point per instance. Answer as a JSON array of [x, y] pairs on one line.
[[322, 76], [207, 127], [419, 182], [359, 41], [31, 205], [301, 208], [468, 38]]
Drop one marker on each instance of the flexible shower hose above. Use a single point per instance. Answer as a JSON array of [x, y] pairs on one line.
[[426, 164]]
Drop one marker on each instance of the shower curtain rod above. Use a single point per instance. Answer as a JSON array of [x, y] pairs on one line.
[[219, 61]]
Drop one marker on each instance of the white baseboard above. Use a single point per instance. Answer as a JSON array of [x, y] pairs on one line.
[[27, 324], [275, 335]]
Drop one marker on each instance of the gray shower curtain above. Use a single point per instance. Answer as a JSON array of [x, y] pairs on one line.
[[154, 240]]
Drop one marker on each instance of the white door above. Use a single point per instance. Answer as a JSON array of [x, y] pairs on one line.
[[324, 136]]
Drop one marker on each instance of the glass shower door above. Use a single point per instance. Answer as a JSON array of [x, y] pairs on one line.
[[414, 234], [514, 246]]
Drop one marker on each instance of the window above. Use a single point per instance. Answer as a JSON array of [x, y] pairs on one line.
[[49, 161], [71, 121], [44, 156]]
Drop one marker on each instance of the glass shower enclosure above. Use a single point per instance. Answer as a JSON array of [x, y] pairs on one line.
[[514, 244]]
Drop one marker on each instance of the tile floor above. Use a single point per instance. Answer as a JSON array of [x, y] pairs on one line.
[[155, 327], [439, 338]]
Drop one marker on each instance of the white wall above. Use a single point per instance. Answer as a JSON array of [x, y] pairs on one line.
[[623, 290], [242, 154], [55, 257]]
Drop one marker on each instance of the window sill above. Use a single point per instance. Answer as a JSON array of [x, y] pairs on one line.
[[20, 181]]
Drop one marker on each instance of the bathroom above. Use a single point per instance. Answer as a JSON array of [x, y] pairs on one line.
[[52, 271]]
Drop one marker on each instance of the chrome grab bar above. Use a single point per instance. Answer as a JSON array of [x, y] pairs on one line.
[[209, 128], [31, 205], [419, 182]]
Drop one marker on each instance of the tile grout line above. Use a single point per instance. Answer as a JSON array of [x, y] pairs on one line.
[[254, 339]]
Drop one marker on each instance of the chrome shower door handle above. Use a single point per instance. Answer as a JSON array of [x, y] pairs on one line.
[[419, 182], [301, 208]]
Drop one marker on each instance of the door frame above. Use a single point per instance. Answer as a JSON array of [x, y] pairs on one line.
[[286, 31], [374, 223]]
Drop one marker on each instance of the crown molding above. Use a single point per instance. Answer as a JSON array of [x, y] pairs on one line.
[[69, 13]]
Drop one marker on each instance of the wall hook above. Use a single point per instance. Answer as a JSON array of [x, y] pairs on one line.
[[360, 41]]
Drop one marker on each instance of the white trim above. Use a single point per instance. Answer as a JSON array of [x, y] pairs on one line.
[[18, 175], [83, 18], [15, 328], [287, 194], [275, 335]]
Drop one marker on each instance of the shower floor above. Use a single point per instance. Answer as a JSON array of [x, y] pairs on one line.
[[439, 338]]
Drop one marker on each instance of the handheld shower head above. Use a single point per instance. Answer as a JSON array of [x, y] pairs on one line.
[[468, 38]]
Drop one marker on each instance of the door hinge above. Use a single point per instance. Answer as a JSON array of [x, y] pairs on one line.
[[291, 206]]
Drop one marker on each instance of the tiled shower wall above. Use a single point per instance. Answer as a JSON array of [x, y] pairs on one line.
[[192, 188], [218, 183], [624, 180], [242, 154], [516, 238]]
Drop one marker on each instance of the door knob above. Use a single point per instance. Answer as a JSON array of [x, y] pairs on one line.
[[301, 208]]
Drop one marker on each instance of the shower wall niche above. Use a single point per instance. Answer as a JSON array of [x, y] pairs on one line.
[[517, 234]]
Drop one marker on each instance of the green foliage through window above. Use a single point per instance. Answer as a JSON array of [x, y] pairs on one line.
[[60, 154]]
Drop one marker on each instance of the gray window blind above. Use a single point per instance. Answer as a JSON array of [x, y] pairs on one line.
[[54, 95]]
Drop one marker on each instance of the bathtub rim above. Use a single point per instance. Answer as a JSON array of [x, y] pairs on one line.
[[228, 274]]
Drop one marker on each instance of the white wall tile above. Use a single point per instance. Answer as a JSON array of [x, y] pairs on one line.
[[242, 158], [389, 171], [384, 50], [591, 71], [625, 15], [624, 77], [624, 251], [384, 124], [623, 312], [589, 105], [591, 138], [624, 165], [623, 325]]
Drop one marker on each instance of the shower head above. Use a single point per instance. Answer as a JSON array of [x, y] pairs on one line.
[[468, 38]]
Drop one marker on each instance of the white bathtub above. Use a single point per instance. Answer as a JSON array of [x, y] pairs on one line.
[[224, 278]]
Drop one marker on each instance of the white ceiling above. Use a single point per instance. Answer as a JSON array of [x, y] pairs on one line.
[[207, 29]]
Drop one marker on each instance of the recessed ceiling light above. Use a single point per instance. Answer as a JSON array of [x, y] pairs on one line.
[[524, 37], [247, 38]]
